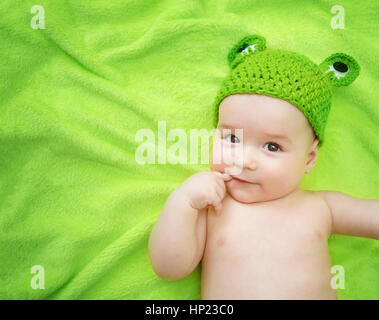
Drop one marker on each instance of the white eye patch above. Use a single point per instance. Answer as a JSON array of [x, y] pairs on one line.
[[246, 50], [337, 73]]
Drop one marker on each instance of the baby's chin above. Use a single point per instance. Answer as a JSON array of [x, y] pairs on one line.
[[250, 194], [244, 195]]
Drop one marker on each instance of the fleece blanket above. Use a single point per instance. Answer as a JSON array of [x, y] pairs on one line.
[[80, 79]]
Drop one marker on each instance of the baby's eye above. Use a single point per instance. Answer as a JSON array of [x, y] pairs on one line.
[[273, 147], [233, 138]]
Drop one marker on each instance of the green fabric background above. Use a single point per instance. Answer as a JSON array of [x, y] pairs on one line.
[[72, 97]]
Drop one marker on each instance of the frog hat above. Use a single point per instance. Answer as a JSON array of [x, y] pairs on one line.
[[287, 75]]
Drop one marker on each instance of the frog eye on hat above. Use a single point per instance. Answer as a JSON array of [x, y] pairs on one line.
[[245, 47], [341, 69]]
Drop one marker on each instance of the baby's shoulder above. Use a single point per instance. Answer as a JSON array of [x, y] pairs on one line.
[[316, 195], [316, 201], [312, 196]]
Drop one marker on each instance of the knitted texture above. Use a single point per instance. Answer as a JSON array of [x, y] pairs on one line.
[[287, 75]]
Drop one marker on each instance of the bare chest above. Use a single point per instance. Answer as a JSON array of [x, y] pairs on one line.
[[269, 227], [261, 245]]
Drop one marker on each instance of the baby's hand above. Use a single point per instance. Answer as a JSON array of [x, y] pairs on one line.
[[204, 189]]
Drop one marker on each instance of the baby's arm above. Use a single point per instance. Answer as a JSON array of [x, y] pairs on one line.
[[177, 241], [353, 216]]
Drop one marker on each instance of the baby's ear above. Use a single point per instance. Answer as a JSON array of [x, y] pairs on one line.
[[246, 46], [341, 69]]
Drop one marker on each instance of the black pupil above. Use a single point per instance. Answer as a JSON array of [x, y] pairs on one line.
[[243, 48], [272, 147], [340, 66]]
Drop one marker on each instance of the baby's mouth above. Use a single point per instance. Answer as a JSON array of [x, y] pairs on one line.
[[241, 180]]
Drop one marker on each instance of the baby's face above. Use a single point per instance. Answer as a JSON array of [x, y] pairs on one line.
[[276, 148]]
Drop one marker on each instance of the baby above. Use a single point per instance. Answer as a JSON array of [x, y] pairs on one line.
[[256, 233]]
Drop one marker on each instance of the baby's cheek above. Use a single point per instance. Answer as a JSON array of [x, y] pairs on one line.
[[223, 156], [217, 163], [280, 176]]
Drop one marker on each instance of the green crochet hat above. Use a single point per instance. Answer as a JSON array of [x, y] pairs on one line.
[[287, 75]]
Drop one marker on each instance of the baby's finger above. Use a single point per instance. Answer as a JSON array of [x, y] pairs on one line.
[[221, 184], [217, 206], [220, 191], [224, 176]]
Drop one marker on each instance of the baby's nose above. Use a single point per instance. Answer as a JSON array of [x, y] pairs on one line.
[[252, 165], [250, 159]]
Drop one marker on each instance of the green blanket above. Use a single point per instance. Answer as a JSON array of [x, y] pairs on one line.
[[76, 209]]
